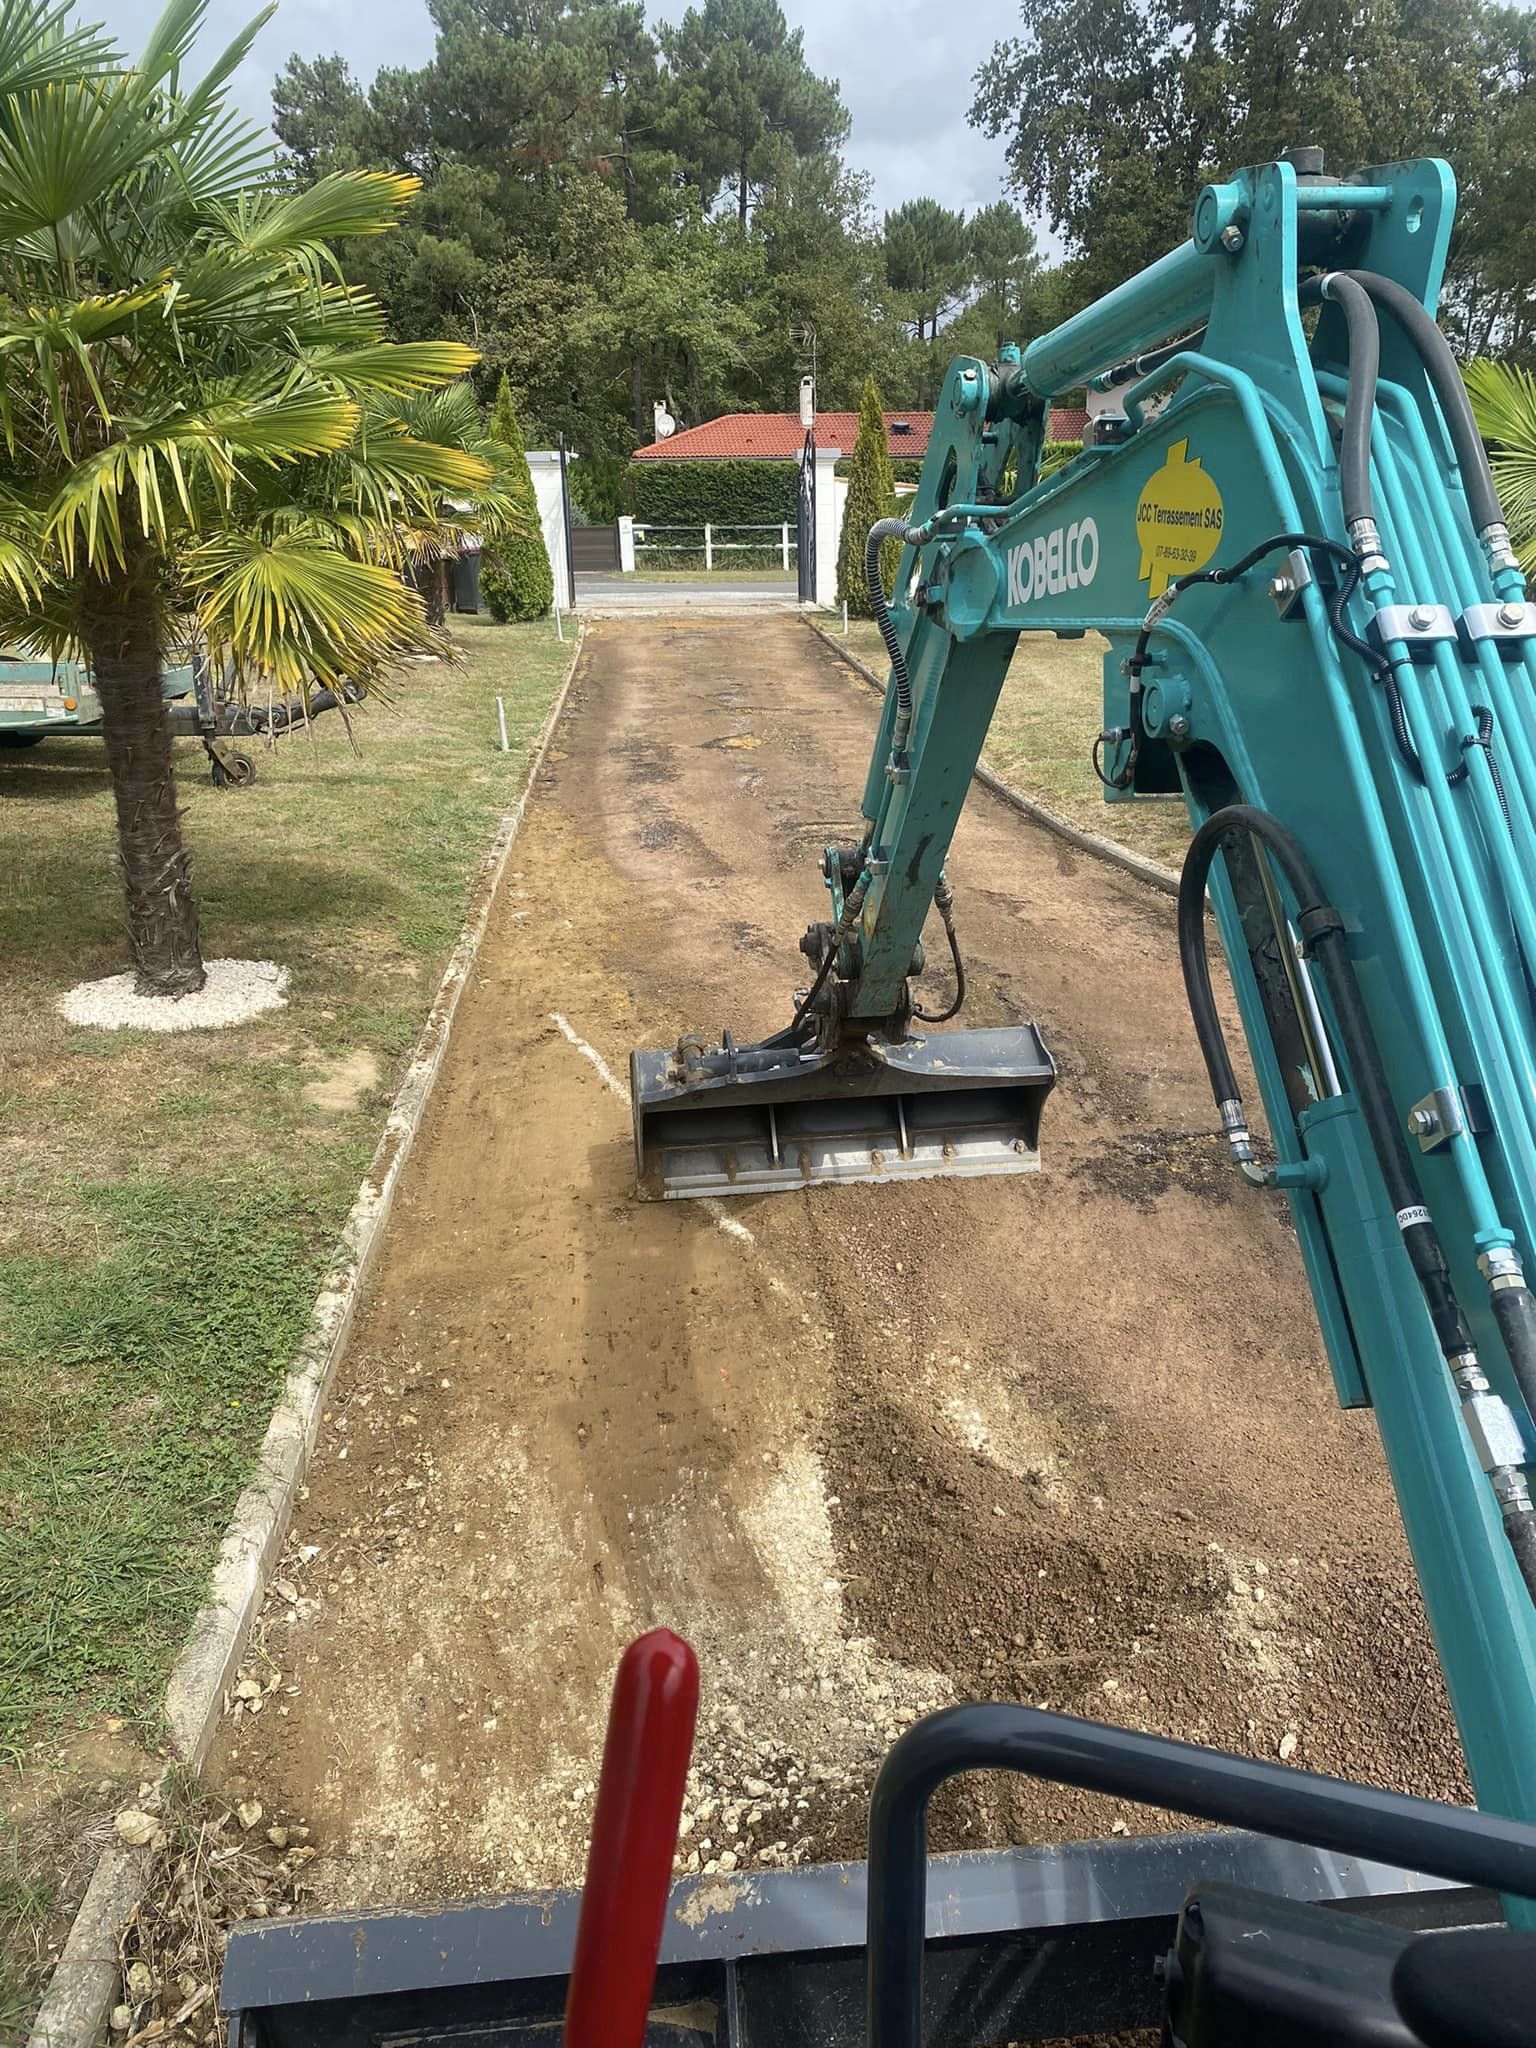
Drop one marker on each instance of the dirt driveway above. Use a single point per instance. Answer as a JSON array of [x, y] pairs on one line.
[[1067, 1438]]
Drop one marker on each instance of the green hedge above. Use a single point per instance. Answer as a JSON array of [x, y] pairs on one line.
[[697, 493], [905, 469], [1057, 454], [746, 493], [908, 469]]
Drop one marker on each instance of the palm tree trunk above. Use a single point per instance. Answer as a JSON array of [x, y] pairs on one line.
[[121, 624], [429, 579]]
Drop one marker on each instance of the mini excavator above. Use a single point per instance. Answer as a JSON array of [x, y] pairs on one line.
[[1284, 524]]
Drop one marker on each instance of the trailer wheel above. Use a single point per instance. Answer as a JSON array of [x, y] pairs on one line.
[[233, 770]]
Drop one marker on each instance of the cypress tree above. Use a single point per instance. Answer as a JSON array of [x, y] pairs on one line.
[[871, 496], [515, 577]]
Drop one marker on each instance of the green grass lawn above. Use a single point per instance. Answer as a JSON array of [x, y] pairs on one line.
[[168, 1205], [1042, 734]]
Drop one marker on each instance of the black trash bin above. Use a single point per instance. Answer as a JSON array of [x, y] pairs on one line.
[[466, 582]]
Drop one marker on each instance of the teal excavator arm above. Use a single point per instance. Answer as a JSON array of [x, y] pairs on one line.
[[1319, 637]]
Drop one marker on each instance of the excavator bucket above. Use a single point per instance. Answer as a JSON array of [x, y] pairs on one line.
[[728, 1120]]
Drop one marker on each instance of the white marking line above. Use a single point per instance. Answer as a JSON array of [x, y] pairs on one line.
[[609, 1078], [714, 1209]]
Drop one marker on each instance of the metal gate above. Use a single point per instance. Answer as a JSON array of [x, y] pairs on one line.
[[805, 522], [595, 548]]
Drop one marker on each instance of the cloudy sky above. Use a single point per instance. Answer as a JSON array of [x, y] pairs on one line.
[[905, 68]]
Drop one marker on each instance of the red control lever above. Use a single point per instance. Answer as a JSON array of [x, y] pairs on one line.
[[634, 1838]]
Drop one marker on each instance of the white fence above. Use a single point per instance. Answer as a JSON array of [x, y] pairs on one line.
[[712, 541]]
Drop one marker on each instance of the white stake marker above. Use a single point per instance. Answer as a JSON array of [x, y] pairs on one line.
[[716, 1210], [501, 720]]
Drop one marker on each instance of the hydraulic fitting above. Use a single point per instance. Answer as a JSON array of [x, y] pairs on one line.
[[1495, 541], [1489, 1419]]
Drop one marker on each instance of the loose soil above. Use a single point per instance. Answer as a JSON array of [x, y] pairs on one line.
[[1067, 1438]]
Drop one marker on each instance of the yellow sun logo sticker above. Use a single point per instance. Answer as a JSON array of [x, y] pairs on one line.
[[1178, 520]]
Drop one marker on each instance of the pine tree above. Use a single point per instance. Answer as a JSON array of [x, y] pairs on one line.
[[871, 496], [515, 576]]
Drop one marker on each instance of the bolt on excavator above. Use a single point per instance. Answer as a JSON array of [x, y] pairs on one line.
[[1283, 523]]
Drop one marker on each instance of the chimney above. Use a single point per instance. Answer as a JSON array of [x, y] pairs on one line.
[[807, 402]]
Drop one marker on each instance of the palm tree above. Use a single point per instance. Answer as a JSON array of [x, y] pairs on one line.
[[452, 419], [203, 421], [1504, 403]]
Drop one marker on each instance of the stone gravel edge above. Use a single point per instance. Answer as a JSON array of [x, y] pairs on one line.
[[83, 1987], [1152, 872]]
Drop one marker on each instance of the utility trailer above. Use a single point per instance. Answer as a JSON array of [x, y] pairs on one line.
[[42, 700], [1313, 1911]]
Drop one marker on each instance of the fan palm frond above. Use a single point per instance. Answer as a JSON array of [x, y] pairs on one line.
[[1504, 405], [39, 47], [291, 606]]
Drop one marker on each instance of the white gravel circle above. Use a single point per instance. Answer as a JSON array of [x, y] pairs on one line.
[[235, 991]]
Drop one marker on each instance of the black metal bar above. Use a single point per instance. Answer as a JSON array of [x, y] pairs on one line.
[[805, 522], [1081, 1900], [1450, 1842]]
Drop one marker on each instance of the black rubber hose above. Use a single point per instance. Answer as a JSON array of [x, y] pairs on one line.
[[1197, 975], [1359, 396], [1521, 1531], [943, 1016], [853, 909], [1514, 1311], [1136, 367], [883, 530], [1440, 365], [803, 1007], [1322, 930]]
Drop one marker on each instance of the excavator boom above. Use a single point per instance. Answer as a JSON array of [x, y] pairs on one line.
[[1283, 523]]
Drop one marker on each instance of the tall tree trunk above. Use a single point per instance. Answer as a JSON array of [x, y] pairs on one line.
[[121, 627], [637, 392], [742, 192]]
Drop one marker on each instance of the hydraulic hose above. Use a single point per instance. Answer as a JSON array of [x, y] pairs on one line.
[[1359, 398], [1321, 928], [883, 530], [944, 904], [1135, 367], [853, 910], [1322, 931], [1514, 1310], [1315, 544], [1434, 351], [1522, 1540]]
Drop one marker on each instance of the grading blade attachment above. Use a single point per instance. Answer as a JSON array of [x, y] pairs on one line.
[[728, 1120]]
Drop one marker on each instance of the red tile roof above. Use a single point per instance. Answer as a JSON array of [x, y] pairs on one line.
[[779, 436]]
